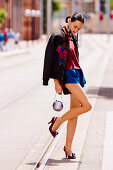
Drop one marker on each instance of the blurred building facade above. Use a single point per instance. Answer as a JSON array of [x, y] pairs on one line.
[[29, 27], [82, 5], [88, 5], [58, 19], [91, 10]]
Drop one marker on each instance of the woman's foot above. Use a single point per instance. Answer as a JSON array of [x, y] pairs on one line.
[[53, 133], [69, 153], [56, 124], [68, 150]]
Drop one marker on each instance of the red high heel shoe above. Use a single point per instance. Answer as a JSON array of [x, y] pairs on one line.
[[69, 156], [50, 128]]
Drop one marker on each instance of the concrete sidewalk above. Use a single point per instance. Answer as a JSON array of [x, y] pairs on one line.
[[24, 47], [29, 51], [88, 141]]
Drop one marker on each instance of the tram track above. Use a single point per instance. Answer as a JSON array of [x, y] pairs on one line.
[[25, 92]]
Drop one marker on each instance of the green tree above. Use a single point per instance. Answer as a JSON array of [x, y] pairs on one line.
[[56, 6], [3, 16], [111, 4]]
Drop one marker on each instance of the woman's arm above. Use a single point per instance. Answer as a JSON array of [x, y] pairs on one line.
[[58, 87]]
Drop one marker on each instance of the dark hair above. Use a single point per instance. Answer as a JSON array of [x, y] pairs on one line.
[[75, 17]]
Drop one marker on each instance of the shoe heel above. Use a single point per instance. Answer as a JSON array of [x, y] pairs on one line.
[[69, 156], [65, 152], [50, 122], [50, 128]]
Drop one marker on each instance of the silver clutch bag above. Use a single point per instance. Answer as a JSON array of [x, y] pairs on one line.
[[58, 104]]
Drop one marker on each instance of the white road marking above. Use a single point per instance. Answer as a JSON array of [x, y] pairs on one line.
[[107, 163], [52, 148]]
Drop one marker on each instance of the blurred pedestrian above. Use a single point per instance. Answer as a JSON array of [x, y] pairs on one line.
[[5, 34], [11, 38], [17, 39], [61, 63], [2, 40], [6, 38]]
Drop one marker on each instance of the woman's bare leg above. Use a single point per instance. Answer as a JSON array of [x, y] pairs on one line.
[[78, 93], [71, 125]]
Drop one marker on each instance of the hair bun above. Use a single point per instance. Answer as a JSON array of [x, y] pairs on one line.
[[66, 20]]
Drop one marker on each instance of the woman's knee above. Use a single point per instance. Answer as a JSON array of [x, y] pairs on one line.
[[88, 106]]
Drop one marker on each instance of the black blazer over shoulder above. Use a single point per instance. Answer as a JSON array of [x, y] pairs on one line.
[[55, 56]]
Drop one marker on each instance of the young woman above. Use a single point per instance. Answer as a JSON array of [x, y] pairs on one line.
[[62, 64]]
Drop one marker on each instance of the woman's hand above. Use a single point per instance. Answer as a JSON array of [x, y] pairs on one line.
[[58, 87]]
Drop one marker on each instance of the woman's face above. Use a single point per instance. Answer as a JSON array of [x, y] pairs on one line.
[[75, 26]]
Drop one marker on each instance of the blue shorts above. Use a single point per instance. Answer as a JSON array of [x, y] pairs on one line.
[[74, 76]]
